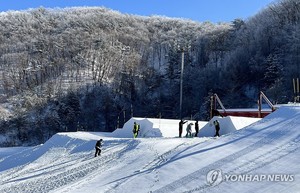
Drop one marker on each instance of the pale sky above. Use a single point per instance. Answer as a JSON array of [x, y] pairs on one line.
[[197, 10]]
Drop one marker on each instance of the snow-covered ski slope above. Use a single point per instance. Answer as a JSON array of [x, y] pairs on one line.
[[263, 157], [169, 127]]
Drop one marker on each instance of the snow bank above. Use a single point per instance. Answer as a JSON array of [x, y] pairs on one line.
[[150, 127], [68, 143], [65, 163], [228, 124]]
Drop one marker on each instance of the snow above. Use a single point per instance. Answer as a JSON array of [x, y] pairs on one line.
[[169, 127], [10, 150], [228, 124], [4, 111], [266, 149], [153, 127]]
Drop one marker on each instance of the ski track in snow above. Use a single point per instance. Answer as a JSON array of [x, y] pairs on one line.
[[71, 166], [150, 167], [268, 138], [59, 176]]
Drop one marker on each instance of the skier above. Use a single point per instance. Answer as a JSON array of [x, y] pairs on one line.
[[98, 147], [189, 130], [217, 127], [135, 130], [196, 128], [180, 126]]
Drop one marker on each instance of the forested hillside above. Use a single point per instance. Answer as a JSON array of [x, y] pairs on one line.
[[93, 68]]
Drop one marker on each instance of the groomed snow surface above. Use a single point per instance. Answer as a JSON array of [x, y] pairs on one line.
[[262, 157]]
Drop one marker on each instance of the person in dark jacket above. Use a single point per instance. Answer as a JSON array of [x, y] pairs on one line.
[[180, 126], [98, 147], [196, 128], [189, 130], [217, 127], [135, 130]]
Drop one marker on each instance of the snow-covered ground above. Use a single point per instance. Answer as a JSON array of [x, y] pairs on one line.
[[263, 157], [169, 127], [154, 127]]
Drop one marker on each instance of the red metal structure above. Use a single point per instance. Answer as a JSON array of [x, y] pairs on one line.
[[258, 113]]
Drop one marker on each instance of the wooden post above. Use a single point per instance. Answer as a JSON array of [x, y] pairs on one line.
[[211, 106], [259, 105]]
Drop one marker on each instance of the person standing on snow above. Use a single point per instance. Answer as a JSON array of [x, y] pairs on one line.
[[196, 128], [189, 130], [98, 147], [136, 129], [217, 127], [180, 126]]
